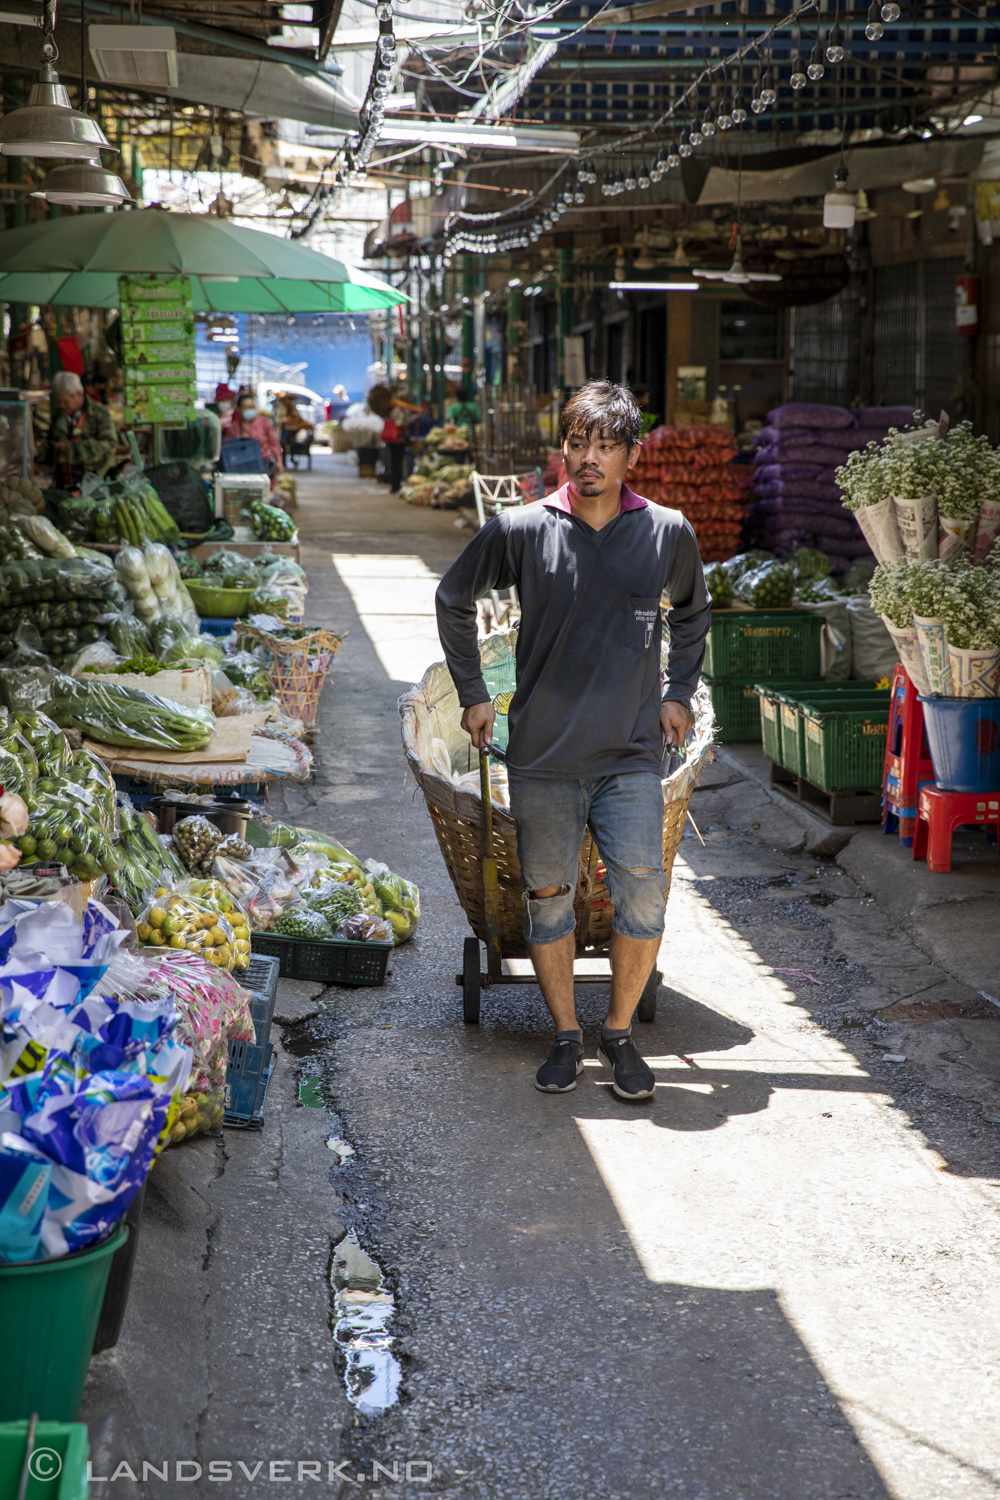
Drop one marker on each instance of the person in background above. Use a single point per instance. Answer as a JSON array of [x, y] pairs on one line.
[[82, 438], [397, 416], [464, 410], [247, 422], [225, 402]]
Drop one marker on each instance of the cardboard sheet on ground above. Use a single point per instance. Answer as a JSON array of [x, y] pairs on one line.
[[230, 742]]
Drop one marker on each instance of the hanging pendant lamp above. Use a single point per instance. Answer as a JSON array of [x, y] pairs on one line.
[[47, 125], [84, 184]]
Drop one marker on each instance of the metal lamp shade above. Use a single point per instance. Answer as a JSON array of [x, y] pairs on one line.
[[47, 126], [84, 184]]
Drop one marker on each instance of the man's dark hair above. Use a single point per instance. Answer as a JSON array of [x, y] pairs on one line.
[[609, 408]]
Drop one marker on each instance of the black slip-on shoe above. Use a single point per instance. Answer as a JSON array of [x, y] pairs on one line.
[[633, 1078], [558, 1072]]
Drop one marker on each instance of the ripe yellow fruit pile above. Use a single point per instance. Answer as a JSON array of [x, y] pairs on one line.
[[199, 923]]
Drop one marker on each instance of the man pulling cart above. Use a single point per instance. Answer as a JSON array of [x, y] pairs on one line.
[[590, 720]]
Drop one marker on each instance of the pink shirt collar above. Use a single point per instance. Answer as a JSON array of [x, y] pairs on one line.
[[560, 500]]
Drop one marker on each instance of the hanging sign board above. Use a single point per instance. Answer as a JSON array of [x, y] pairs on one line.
[[158, 346]]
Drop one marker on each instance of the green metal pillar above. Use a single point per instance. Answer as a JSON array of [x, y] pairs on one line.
[[468, 322], [565, 311], [515, 313]]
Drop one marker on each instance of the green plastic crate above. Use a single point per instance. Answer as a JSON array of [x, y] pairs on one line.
[[781, 714], [763, 644], [845, 747], [60, 1466], [770, 726], [737, 711]]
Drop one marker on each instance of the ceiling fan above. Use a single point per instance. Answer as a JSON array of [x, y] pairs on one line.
[[736, 275]]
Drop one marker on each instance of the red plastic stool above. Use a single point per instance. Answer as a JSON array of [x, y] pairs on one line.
[[907, 765], [939, 813]]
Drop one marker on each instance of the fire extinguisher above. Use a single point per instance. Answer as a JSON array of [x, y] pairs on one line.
[[967, 305]]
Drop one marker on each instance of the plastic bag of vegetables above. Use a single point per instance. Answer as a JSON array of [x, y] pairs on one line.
[[366, 929], [719, 586], [286, 836], [145, 862], [195, 648], [90, 771], [271, 524], [244, 669], [69, 826], [745, 562], [197, 838], [123, 716], [269, 601], [808, 562], [46, 537], [164, 634], [134, 574], [50, 745], [230, 570], [770, 586], [18, 766], [25, 672], [185, 919], [298, 921], [400, 900], [129, 634]]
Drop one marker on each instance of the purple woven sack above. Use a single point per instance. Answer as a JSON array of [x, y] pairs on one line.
[[782, 471], [889, 416], [809, 414]]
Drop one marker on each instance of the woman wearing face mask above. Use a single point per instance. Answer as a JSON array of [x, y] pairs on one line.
[[247, 422]]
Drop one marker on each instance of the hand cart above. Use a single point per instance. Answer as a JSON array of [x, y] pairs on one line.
[[478, 838], [473, 981]]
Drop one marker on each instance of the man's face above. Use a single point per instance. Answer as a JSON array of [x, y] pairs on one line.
[[70, 401], [597, 462]]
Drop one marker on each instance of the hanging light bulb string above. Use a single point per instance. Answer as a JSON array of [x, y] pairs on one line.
[[514, 234]]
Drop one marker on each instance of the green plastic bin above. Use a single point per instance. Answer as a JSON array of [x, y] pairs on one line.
[[218, 603], [736, 709], [48, 1313], [845, 746], [59, 1469], [759, 644], [781, 719]]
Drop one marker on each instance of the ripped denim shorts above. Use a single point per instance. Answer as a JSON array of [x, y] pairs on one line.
[[625, 816]]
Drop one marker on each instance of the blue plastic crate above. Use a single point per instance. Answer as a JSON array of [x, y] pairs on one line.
[[252, 1063], [215, 627]]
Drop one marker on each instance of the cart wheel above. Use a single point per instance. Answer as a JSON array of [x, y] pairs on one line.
[[646, 1010], [470, 981]]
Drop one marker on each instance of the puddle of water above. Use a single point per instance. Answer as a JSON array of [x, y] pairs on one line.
[[363, 1314], [309, 1093]]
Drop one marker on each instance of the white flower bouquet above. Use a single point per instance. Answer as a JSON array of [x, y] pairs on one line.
[[954, 609]]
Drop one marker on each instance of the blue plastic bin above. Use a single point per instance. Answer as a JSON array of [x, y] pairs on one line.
[[964, 739]]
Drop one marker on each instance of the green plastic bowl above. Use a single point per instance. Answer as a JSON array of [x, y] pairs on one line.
[[219, 604]]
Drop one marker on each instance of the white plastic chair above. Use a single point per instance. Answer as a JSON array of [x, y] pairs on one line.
[[495, 493]]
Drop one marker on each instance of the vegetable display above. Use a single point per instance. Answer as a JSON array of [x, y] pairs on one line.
[[123, 716]]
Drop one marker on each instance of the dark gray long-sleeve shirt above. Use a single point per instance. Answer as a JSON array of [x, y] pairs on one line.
[[588, 650]]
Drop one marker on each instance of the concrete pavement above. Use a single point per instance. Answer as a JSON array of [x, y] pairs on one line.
[[775, 1281]]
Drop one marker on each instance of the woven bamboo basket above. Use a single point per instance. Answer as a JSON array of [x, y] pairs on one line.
[[298, 667], [432, 737]]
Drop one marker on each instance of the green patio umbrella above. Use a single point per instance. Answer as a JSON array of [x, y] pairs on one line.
[[76, 262]]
